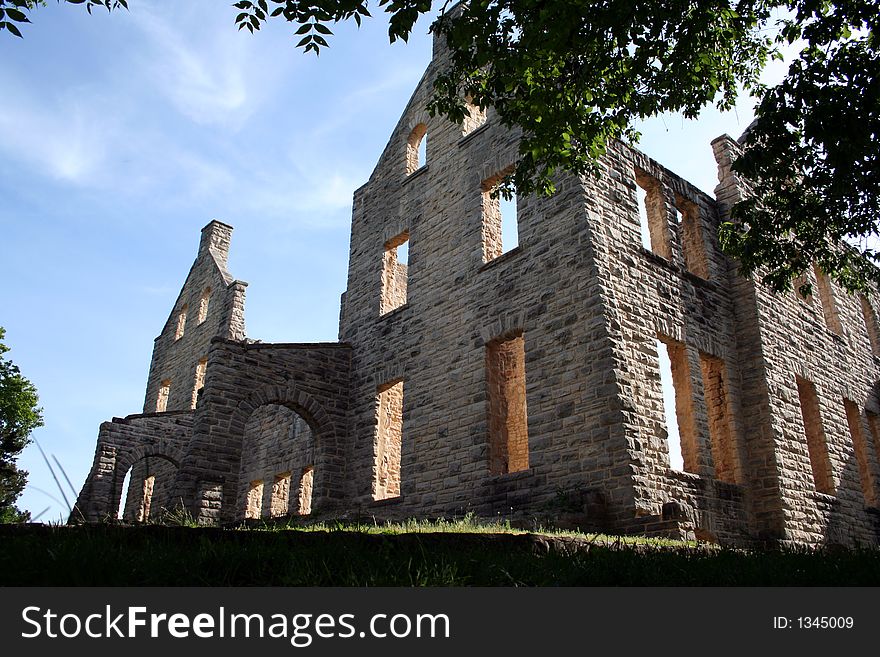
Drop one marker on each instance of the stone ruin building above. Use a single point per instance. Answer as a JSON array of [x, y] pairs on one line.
[[522, 382]]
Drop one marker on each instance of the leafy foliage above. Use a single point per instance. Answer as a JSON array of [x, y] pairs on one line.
[[812, 156], [575, 75], [19, 416]]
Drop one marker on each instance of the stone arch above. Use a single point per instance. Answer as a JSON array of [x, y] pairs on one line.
[[417, 135], [150, 489], [161, 449], [505, 325], [419, 117], [388, 372], [299, 401], [323, 433], [128, 459], [122, 443]]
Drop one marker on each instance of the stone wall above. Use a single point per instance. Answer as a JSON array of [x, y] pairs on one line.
[[823, 341], [239, 429], [143, 443], [210, 304], [151, 489], [548, 290], [277, 449]]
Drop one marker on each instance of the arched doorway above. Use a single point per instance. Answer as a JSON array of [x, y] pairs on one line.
[[277, 464], [146, 490]]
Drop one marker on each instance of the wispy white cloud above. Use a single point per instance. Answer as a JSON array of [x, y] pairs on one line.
[[210, 74], [66, 140]]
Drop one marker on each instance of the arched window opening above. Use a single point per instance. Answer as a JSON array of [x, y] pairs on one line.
[[417, 149], [277, 456], [181, 323], [203, 305], [146, 490]]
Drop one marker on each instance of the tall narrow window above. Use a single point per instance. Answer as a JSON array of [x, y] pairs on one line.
[[416, 148], [389, 436], [306, 483], [692, 237], [652, 214], [146, 499], [280, 502], [874, 434], [395, 272], [254, 508], [162, 398], [816, 443], [718, 411], [201, 368], [204, 300], [799, 283], [475, 118], [508, 416], [860, 446], [675, 380], [871, 324], [181, 323], [826, 297], [500, 230]]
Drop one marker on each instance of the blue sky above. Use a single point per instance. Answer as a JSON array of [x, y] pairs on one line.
[[122, 134]]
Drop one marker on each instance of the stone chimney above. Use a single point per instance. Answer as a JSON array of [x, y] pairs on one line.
[[215, 238]]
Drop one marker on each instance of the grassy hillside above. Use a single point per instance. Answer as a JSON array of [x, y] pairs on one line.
[[412, 554]]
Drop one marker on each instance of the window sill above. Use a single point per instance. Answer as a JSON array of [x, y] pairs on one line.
[[473, 133], [415, 174], [394, 311], [658, 259], [687, 477], [837, 337], [823, 498], [512, 476], [504, 257], [388, 501]]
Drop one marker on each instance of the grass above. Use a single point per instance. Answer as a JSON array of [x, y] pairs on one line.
[[466, 552], [468, 524]]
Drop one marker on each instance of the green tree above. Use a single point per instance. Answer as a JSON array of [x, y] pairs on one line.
[[577, 74], [19, 416]]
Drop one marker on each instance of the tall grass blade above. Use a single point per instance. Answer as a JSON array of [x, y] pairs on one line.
[[66, 478], [40, 514], [54, 476]]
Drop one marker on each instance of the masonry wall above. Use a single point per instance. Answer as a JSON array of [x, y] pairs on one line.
[[547, 290], [150, 491], [278, 449], [130, 442], [677, 292], [522, 382], [244, 385], [591, 304], [211, 303], [823, 340]]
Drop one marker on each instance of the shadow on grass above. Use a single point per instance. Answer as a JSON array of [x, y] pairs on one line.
[[106, 555]]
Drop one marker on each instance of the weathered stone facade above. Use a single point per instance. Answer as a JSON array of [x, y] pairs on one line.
[[523, 382]]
